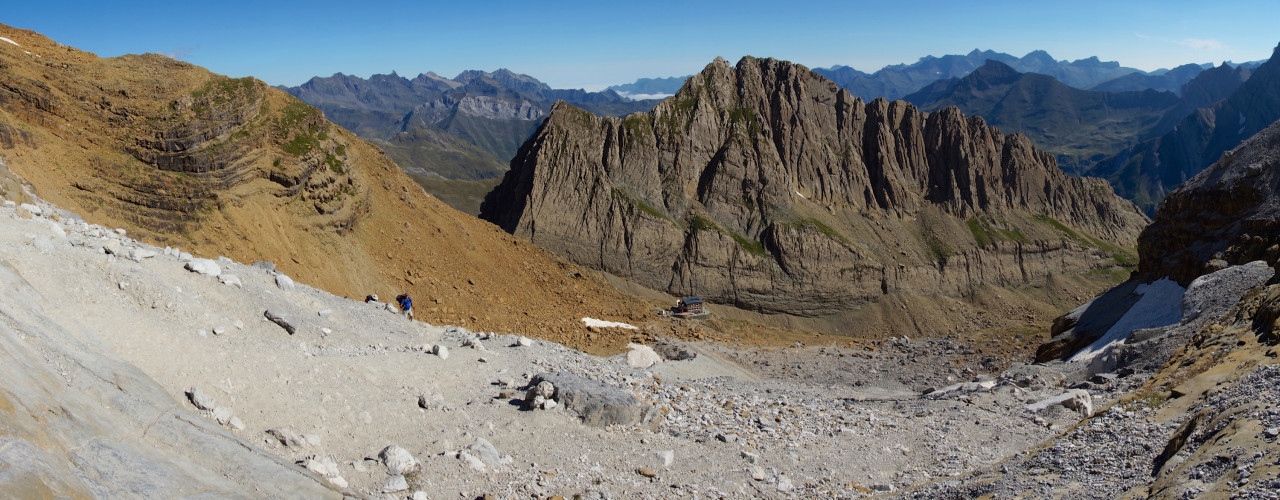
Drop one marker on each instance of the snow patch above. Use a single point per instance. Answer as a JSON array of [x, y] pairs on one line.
[[10, 41], [606, 324], [1160, 305], [801, 195]]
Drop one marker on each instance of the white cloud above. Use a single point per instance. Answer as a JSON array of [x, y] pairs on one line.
[[1201, 44], [1142, 36]]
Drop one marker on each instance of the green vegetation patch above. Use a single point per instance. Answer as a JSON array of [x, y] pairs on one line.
[[752, 246], [700, 223], [622, 194], [336, 165], [301, 144], [979, 232], [222, 87], [1051, 222], [940, 249], [820, 227]]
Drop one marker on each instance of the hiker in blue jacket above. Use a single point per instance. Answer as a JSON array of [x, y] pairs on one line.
[[406, 304]]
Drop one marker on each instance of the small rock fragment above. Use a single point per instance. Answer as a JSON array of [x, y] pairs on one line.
[[236, 423], [757, 473], [284, 282], [665, 457], [486, 452], [397, 483], [471, 460], [441, 351], [200, 399], [287, 437], [646, 472], [222, 414], [524, 341], [323, 465], [231, 280], [285, 321]]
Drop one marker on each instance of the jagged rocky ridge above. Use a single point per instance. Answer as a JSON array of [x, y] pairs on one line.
[[768, 187]]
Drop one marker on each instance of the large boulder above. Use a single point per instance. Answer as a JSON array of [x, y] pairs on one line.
[[598, 404]]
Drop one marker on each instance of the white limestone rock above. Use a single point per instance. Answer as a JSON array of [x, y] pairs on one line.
[[398, 460], [642, 356], [231, 280], [204, 266], [222, 414], [284, 282]]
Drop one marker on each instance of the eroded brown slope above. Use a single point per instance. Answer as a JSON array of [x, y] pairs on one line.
[[182, 157], [765, 186]]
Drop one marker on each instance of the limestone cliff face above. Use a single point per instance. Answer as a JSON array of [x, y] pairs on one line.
[[766, 186], [1229, 212]]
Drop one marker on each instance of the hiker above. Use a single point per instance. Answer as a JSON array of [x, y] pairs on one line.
[[406, 304], [370, 298]]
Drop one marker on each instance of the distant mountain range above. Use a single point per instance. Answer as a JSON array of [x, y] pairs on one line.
[[1148, 171], [896, 81], [1081, 127], [462, 129]]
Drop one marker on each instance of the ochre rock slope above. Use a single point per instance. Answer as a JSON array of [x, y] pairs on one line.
[[217, 166], [1228, 212], [767, 187]]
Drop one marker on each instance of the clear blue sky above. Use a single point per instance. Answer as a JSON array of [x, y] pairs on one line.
[[593, 44]]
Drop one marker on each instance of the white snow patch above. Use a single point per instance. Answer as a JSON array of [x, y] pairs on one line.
[[798, 193], [1160, 305], [606, 324], [10, 41]]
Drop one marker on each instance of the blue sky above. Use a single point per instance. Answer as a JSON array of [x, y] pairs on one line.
[[572, 44]]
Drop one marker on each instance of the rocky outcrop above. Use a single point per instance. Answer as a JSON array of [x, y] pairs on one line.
[[81, 423], [766, 186], [1228, 214]]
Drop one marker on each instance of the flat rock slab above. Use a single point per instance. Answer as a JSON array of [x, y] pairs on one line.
[[599, 404]]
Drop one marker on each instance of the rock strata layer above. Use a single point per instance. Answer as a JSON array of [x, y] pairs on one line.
[[767, 187]]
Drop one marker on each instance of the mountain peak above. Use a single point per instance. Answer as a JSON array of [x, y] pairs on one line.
[[761, 172]]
